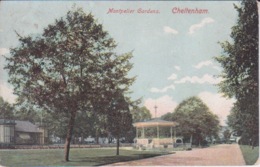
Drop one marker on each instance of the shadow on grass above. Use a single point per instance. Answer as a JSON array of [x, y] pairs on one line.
[[98, 161]]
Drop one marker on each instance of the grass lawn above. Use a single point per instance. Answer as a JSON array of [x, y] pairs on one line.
[[78, 157], [250, 155]]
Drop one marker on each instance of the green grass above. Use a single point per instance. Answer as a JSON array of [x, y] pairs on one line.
[[78, 157], [250, 155]]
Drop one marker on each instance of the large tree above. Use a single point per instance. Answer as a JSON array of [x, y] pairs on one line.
[[195, 120], [240, 68], [70, 68]]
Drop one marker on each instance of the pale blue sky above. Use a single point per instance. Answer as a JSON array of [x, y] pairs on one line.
[[164, 44]]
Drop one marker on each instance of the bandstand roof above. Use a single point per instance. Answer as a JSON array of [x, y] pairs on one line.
[[155, 122]]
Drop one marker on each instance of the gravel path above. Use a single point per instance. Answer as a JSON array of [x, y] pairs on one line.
[[224, 154]]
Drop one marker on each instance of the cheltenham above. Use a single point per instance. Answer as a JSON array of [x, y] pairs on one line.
[[177, 10]]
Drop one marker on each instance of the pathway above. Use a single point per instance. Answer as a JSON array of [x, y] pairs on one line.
[[223, 154]]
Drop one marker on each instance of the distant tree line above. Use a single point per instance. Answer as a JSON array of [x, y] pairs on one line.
[[87, 124]]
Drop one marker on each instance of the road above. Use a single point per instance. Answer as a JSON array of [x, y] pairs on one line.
[[223, 154]]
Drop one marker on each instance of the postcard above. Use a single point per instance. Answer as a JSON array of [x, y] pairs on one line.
[[129, 83]]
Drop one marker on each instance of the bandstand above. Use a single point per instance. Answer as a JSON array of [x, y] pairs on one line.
[[155, 133]]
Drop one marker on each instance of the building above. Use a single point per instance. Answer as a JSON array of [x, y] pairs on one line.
[[158, 137], [7, 131], [22, 132]]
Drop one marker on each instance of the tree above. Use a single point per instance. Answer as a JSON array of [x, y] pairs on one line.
[[140, 114], [168, 116], [227, 134], [69, 69], [57, 124], [119, 119], [234, 120], [195, 120], [6, 110], [23, 110], [240, 68], [99, 126]]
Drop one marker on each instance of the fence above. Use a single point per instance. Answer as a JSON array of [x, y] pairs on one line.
[[60, 146], [183, 145]]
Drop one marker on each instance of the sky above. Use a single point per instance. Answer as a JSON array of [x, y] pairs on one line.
[[173, 52]]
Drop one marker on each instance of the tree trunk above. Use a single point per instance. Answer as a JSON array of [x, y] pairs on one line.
[[117, 145], [191, 140], [69, 135], [74, 141], [82, 138], [110, 140], [97, 136]]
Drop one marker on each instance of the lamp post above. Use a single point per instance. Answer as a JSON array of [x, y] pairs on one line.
[[155, 110]]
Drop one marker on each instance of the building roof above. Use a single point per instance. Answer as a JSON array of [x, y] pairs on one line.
[[7, 122], [26, 126], [155, 122]]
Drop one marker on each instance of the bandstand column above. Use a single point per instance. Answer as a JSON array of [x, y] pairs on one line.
[[143, 136], [171, 132], [158, 132]]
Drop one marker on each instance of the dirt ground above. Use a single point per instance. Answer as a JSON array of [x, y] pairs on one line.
[[223, 154]]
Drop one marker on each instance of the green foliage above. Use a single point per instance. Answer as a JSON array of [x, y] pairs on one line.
[[168, 116], [69, 69], [227, 134], [140, 114], [250, 155], [234, 120], [119, 119], [195, 119], [27, 114], [6, 110], [240, 63]]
